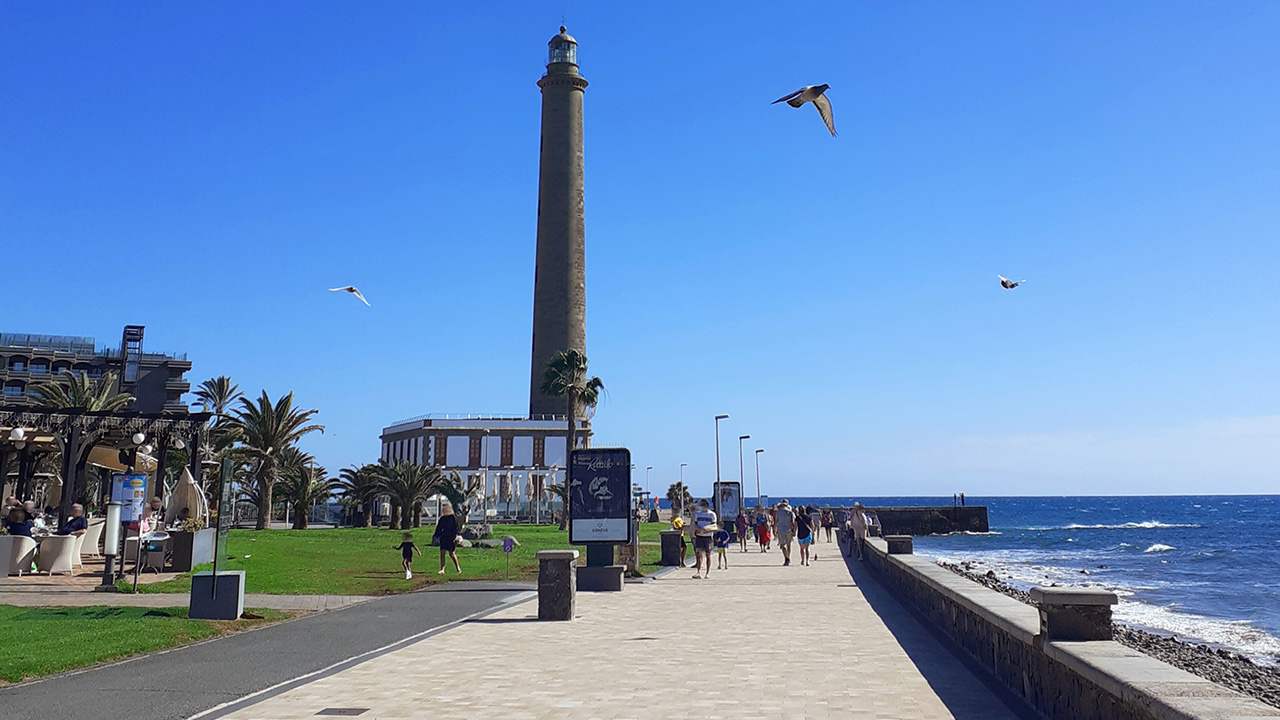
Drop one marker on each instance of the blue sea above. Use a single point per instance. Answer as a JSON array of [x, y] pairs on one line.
[[1205, 568]]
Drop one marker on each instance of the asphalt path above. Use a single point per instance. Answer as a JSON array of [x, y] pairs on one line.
[[182, 682]]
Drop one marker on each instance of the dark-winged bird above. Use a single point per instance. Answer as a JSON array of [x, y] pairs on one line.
[[1008, 284], [814, 94]]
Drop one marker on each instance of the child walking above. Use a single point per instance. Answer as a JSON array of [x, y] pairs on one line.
[[721, 539], [407, 549]]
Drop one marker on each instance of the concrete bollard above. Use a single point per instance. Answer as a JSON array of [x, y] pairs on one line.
[[670, 548], [1074, 613], [557, 584], [900, 544]]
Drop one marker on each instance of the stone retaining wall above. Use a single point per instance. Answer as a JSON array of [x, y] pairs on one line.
[[932, 520], [1089, 680]]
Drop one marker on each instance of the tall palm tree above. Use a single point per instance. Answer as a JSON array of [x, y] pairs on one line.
[[81, 392], [266, 429], [218, 394], [409, 485], [360, 485], [566, 377], [305, 487], [458, 492], [679, 496]]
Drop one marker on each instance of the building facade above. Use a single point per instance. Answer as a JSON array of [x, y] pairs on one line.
[[510, 460], [156, 380]]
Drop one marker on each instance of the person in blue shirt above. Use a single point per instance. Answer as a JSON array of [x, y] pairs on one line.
[[721, 539], [77, 524], [17, 523]]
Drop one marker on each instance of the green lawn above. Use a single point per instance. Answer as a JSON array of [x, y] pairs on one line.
[[364, 561], [44, 641]]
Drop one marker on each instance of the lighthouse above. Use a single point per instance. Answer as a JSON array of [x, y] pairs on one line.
[[560, 284]]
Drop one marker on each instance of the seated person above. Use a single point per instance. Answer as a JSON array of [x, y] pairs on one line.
[[77, 524], [17, 522], [33, 515], [183, 515]]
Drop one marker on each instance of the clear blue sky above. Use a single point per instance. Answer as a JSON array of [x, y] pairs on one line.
[[209, 170]]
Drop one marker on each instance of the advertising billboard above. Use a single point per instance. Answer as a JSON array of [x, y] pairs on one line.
[[131, 492], [600, 495], [728, 501]]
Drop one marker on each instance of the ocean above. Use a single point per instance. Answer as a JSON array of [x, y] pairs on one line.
[[1204, 568]]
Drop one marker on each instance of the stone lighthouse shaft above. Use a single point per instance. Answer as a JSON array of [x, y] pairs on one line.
[[559, 285]]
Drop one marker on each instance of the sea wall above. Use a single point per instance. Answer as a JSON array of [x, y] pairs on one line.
[[932, 520], [1089, 680]]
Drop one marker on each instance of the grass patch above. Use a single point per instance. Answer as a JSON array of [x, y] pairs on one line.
[[44, 641], [363, 561]]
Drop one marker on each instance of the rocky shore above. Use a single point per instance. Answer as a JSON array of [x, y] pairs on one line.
[[1217, 664]]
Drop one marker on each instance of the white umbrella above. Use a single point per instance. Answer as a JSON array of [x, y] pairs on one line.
[[187, 495]]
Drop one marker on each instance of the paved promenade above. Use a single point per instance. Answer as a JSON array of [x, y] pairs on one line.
[[757, 640], [40, 592]]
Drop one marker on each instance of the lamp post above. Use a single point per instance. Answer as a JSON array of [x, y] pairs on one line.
[[683, 489], [718, 419], [759, 503], [740, 439], [646, 478]]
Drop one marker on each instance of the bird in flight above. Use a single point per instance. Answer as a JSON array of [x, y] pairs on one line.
[[351, 289], [814, 94], [1008, 284]]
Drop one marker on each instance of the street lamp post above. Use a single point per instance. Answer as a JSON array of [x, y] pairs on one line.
[[740, 480], [683, 489], [758, 501], [646, 478], [718, 419]]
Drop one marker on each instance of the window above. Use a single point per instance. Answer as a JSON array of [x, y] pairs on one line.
[[40, 369], [17, 365], [13, 391]]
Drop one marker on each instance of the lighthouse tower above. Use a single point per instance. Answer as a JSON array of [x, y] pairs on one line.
[[560, 284]]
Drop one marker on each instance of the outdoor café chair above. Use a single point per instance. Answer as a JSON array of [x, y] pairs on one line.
[[57, 553], [17, 552]]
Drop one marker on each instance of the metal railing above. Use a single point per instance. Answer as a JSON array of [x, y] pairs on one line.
[[474, 416]]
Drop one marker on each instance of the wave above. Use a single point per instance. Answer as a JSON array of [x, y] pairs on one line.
[[1147, 525], [1158, 547], [1239, 635]]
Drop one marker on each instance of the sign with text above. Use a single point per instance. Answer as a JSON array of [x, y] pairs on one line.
[[600, 495], [226, 511], [131, 492]]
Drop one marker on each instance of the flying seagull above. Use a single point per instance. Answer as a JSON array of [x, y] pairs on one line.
[[813, 94], [1008, 284], [351, 289]]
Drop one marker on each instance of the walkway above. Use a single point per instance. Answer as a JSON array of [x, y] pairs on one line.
[[758, 640], [182, 682], [37, 593]]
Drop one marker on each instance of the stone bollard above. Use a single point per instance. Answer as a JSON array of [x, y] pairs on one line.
[[557, 584], [670, 547], [899, 544], [1074, 613]]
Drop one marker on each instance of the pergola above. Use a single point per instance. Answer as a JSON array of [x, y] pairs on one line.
[[76, 434]]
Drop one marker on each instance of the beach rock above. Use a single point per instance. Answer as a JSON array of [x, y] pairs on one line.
[[489, 544], [514, 541], [463, 542]]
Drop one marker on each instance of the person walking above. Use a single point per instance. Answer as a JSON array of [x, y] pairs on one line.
[[828, 521], [407, 548], [446, 535], [762, 529], [784, 519], [741, 525], [704, 527], [858, 528], [804, 535]]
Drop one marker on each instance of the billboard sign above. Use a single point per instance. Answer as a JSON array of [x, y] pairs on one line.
[[600, 505], [131, 492], [728, 501]]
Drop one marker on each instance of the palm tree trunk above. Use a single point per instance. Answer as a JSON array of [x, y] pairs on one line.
[[417, 514], [572, 437], [299, 517], [265, 508], [395, 517], [366, 516]]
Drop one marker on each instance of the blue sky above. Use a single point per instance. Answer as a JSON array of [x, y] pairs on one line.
[[209, 171]]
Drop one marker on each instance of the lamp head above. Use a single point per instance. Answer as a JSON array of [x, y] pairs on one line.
[[722, 417], [138, 438], [743, 437], [17, 434]]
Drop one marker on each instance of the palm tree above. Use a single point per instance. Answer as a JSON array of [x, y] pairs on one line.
[[561, 491], [218, 394], [82, 393], [79, 392], [566, 377], [458, 492], [305, 487], [679, 496], [361, 486], [266, 429], [409, 485]]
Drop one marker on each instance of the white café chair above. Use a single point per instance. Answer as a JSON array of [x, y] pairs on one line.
[[16, 554], [77, 546], [57, 553], [93, 538]]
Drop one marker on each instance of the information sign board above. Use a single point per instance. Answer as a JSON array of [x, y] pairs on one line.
[[600, 496], [131, 492], [226, 513]]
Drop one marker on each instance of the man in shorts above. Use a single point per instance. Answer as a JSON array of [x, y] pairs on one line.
[[784, 519], [704, 527]]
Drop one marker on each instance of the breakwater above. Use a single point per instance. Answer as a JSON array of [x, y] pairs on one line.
[[932, 520], [1063, 680]]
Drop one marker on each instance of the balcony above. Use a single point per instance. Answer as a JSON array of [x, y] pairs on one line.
[[178, 385]]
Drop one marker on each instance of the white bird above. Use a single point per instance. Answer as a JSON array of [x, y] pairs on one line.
[[813, 94], [1008, 284], [351, 289]]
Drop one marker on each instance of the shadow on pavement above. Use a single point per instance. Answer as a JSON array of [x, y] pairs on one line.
[[938, 658]]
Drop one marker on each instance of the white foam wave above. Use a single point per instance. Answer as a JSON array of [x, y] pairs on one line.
[[1146, 525], [1239, 635], [1159, 547]]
